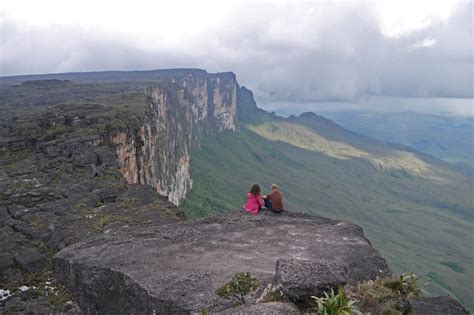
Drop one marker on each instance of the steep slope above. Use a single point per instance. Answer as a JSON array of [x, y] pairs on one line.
[[448, 137], [417, 211]]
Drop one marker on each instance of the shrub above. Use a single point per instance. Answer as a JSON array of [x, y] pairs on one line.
[[242, 283], [375, 291], [335, 304], [390, 308], [55, 131], [406, 285], [271, 296], [380, 290]]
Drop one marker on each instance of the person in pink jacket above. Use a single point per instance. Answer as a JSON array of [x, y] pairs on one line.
[[254, 202]]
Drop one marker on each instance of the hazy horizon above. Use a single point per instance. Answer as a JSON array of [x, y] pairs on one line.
[[382, 104], [312, 52]]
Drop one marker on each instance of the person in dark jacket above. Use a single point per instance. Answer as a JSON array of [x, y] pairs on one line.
[[274, 200]]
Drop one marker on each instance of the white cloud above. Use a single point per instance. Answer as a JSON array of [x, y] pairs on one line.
[[403, 17], [284, 51], [427, 42]]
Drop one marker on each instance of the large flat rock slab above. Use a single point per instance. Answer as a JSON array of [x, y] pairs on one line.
[[176, 268]]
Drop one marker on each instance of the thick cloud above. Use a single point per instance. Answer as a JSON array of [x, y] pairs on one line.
[[286, 53]]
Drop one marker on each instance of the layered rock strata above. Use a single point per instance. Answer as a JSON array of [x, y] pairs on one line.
[[182, 110]]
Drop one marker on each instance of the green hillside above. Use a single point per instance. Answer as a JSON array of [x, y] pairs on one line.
[[416, 211], [448, 137]]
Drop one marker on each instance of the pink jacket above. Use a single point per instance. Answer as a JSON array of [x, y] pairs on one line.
[[254, 203]]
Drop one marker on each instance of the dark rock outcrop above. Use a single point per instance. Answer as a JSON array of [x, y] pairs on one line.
[[439, 305], [177, 268], [59, 185]]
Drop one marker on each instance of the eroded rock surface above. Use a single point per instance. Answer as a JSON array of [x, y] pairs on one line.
[[177, 268], [274, 308], [61, 183], [437, 305]]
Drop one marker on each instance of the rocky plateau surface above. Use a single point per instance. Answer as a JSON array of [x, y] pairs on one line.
[[177, 268]]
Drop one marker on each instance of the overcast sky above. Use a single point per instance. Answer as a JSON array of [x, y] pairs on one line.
[[284, 51]]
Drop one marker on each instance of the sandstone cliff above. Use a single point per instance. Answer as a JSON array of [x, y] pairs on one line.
[[182, 110]]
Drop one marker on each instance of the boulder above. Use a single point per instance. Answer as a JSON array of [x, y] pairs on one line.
[[31, 259], [437, 305], [96, 170], [107, 194], [299, 279], [20, 211], [106, 156], [176, 268], [15, 305], [85, 158], [4, 215], [5, 263]]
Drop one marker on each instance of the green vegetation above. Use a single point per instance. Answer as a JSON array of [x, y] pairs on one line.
[[390, 308], [48, 286], [405, 217], [335, 304], [242, 284], [54, 132], [383, 295], [406, 285], [454, 266], [10, 159], [272, 295], [100, 220], [448, 137], [399, 163]]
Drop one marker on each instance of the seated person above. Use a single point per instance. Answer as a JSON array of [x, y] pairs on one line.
[[274, 200], [254, 203]]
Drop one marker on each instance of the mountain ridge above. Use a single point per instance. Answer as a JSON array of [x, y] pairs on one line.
[[113, 76], [92, 134]]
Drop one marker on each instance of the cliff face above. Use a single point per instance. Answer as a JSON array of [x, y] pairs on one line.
[[182, 109]]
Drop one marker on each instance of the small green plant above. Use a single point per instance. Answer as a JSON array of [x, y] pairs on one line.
[[335, 304], [102, 219], [375, 290], [390, 308], [242, 283], [271, 296], [406, 285], [55, 131]]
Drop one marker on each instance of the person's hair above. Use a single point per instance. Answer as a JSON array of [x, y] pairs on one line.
[[274, 186], [255, 189]]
